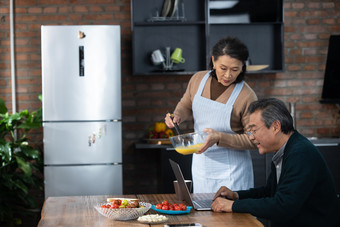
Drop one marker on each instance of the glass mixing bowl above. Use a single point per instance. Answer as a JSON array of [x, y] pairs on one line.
[[188, 143]]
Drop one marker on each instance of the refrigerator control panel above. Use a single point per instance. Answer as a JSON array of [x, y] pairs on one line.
[[81, 61]]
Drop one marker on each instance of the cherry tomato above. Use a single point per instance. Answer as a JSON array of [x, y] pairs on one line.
[[165, 207], [165, 202], [178, 208], [114, 206], [103, 206], [118, 202]]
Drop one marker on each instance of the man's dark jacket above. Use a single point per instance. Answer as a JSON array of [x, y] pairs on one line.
[[305, 194]]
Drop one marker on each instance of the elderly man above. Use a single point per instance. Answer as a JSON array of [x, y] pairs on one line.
[[300, 190]]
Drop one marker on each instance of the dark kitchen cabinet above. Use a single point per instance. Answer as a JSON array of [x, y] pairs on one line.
[[152, 171], [330, 149], [167, 174], [198, 25]]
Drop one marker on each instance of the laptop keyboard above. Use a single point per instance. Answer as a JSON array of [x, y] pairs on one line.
[[203, 203]]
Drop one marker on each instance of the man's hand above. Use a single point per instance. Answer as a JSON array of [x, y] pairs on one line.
[[226, 193], [222, 205]]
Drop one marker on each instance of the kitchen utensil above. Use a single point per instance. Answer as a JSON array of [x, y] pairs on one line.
[[157, 57], [176, 56], [175, 124], [167, 65], [166, 8], [173, 8], [189, 143]]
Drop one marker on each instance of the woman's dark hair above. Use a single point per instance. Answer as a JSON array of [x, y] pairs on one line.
[[273, 110], [233, 47]]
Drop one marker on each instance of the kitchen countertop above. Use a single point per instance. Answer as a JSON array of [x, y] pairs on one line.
[[324, 141], [151, 146], [316, 141]]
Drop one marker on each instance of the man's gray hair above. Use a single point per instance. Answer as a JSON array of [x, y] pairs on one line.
[[273, 110]]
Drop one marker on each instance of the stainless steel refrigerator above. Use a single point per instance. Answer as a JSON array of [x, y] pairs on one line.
[[82, 127]]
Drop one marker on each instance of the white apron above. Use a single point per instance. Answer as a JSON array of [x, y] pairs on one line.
[[218, 166]]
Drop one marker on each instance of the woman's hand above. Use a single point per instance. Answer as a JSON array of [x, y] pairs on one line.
[[169, 122], [213, 138]]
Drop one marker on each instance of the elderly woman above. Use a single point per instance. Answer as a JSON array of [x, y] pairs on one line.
[[218, 100]]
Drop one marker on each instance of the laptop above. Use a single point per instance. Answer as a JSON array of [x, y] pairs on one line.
[[198, 204]]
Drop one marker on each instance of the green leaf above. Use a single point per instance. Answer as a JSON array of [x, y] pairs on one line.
[[5, 153], [29, 152], [12, 119], [15, 116], [24, 166], [29, 125], [19, 184], [38, 116], [3, 108], [24, 113]]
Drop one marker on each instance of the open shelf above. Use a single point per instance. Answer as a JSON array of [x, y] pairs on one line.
[[196, 33]]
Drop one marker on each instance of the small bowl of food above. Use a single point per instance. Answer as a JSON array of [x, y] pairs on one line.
[[189, 143]]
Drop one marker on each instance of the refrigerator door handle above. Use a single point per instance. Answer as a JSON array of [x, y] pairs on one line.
[[81, 61]]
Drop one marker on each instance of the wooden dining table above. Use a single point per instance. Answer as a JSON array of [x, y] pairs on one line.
[[80, 211]]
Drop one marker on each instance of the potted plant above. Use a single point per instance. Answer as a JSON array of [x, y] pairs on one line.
[[20, 165]]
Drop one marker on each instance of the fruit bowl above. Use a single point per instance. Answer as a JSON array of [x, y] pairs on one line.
[[123, 213], [158, 141], [188, 143]]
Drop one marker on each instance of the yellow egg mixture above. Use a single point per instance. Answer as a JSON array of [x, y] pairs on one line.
[[189, 149]]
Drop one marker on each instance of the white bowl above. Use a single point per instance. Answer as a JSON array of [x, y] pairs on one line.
[[123, 213], [188, 143]]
